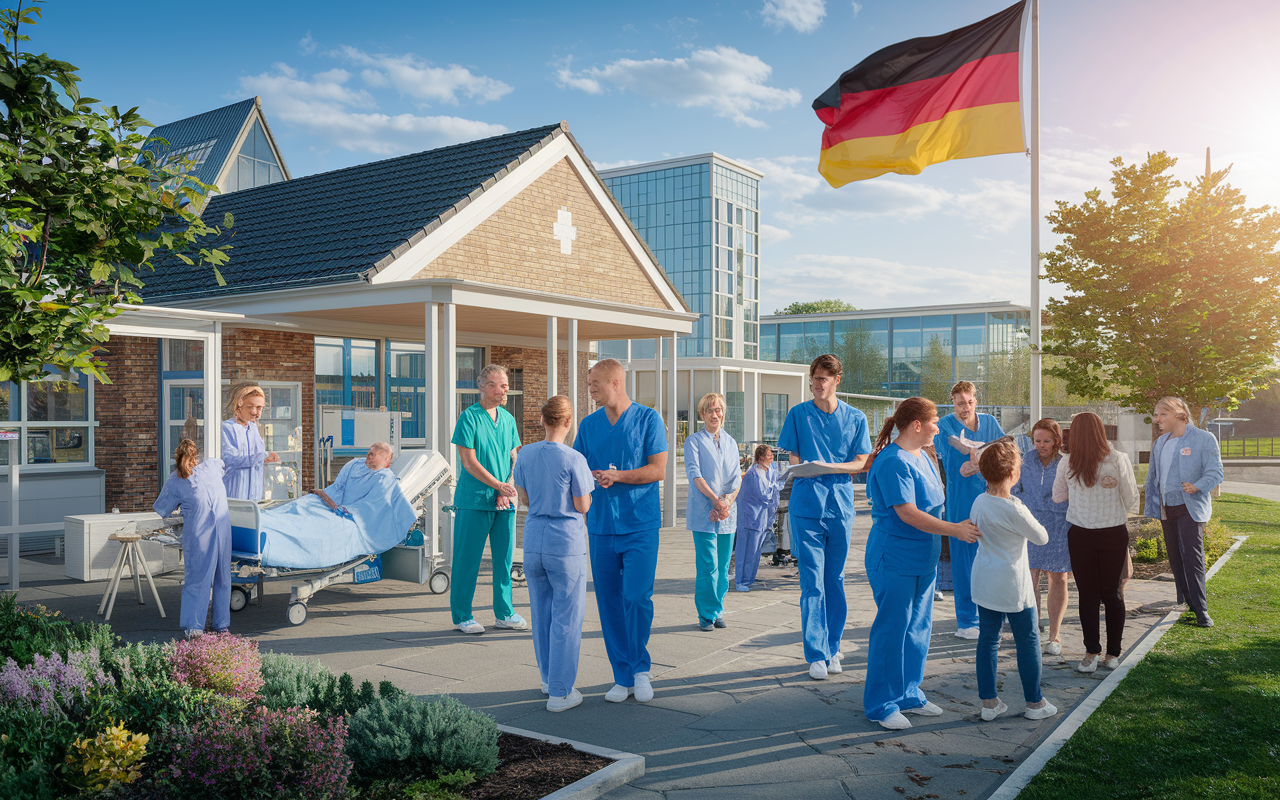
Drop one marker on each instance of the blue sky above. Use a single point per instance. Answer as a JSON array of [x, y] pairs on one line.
[[347, 83]]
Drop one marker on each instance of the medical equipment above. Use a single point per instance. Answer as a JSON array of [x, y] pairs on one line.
[[419, 473], [347, 433]]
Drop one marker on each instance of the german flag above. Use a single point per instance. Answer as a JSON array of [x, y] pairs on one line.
[[925, 100]]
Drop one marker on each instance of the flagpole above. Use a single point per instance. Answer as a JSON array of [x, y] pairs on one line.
[[1037, 397]]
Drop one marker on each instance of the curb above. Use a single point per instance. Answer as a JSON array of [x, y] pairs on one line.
[[1047, 749], [625, 768]]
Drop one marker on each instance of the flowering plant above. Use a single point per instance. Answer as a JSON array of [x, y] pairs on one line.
[[51, 685], [227, 664], [273, 754], [110, 757]]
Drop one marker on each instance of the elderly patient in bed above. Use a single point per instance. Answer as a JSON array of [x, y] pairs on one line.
[[361, 513]]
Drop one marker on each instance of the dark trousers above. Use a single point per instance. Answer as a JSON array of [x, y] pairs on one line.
[[1098, 564], [1184, 539]]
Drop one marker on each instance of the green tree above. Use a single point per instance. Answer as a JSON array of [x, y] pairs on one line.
[[83, 211], [817, 307], [935, 372], [1172, 288], [865, 360]]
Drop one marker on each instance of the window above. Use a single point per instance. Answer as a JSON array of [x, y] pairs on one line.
[[775, 413], [406, 387], [195, 154], [255, 164], [616, 348], [769, 342], [53, 417], [863, 348], [347, 372]]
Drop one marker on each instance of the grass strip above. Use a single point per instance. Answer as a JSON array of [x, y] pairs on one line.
[[1199, 717]]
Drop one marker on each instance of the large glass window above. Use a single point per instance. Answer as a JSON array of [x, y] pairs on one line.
[[769, 342], [406, 388], [255, 164], [53, 417], [347, 372], [905, 372], [862, 346], [937, 361], [775, 408]]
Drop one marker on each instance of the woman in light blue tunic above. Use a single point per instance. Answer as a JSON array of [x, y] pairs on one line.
[[243, 451], [757, 507], [964, 485], [1035, 490], [197, 487], [711, 464], [555, 484]]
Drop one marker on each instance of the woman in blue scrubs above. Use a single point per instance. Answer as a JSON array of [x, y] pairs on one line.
[[243, 451], [964, 485], [820, 508], [757, 506], [555, 485], [197, 487], [906, 497], [712, 466]]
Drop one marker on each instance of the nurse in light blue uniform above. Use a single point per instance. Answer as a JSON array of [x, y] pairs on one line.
[[757, 507], [906, 497], [197, 487], [820, 509], [626, 448], [555, 485], [962, 490], [715, 475], [243, 451]]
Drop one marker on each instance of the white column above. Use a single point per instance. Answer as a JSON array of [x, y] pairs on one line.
[[751, 404], [572, 376], [669, 489], [717, 384], [434, 538], [631, 379], [1033, 125], [14, 459], [657, 374], [553, 345], [447, 413], [213, 392]]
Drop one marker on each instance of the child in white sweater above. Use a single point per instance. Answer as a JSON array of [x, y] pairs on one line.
[[1002, 581]]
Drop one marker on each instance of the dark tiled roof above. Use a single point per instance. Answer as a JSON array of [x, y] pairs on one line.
[[222, 124], [332, 227]]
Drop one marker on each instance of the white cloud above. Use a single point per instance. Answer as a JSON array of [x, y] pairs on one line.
[[325, 106], [880, 283], [603, 165], [413, 77], [773, 235], [804, 15], [730, 83], [857, 9], [307, 45]]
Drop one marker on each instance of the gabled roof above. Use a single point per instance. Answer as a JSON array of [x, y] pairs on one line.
[[349, 224], [222, 126]]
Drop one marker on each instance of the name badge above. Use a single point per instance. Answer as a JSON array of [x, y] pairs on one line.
[[1186, 451]]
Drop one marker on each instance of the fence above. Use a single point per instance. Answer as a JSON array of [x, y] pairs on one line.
[[1259, 447]]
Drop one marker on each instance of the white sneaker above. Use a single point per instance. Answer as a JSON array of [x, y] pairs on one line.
[[833, 666], [966, 633], [546, 689], [989, 714], [618, 693], [1043, 712], [470, 626], [742, 587], [643, 688], [1110, 662], [1053, 649], [564, 703], [1091, 666], [818, 670], [895, 722], [515, 622], [926, 710], [938, 596]]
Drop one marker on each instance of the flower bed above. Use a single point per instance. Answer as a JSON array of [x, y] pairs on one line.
[[85, 715]]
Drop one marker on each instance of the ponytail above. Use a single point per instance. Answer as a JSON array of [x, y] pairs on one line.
[[913, 409], [185, 457]]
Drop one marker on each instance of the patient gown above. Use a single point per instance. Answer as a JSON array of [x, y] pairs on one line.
[[306, 533]]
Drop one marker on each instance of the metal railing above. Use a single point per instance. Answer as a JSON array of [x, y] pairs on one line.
[[1251, 447]]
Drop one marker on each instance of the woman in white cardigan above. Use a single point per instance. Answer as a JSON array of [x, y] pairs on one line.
[[1102, 491], [1002, 581]]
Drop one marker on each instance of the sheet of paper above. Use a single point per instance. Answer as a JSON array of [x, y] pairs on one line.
[[811, 468], [966, 446]]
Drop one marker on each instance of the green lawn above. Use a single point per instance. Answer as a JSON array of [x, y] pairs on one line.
[[1200, 715], [1251, 448]]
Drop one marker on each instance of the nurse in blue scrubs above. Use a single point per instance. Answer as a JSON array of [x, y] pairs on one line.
[[243, 450], [555, 485], [964, 485], [625, 445], [820, 509], [197, 487], [906, 497]]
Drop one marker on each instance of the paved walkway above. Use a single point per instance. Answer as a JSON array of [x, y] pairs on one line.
[[735, 714]]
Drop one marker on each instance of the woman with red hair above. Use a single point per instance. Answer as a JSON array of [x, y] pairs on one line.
[[1100, 488], [1040, 467]]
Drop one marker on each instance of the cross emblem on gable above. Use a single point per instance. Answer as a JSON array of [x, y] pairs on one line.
[[564, 230]]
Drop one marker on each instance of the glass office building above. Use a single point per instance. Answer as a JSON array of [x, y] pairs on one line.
[[701, 217], [902, 352]]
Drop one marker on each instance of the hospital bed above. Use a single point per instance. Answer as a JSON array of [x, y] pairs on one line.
[[419, 473]]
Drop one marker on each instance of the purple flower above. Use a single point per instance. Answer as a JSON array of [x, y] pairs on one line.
[[53, 686]]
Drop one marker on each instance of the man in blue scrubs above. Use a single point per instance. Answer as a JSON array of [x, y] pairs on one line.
[[487, 441], [625, 445], [821, 508], [964, 484]]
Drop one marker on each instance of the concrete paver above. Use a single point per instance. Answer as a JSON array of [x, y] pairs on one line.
[[735, 714]]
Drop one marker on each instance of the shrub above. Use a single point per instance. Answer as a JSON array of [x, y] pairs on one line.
[[288, 681], [52, 686], [1146, 551], [149, 700], [437, 735], [222, 662], [28, 631], [289, 753], [109, 758]]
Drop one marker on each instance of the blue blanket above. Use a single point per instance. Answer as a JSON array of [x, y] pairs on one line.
[[308, 534]]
